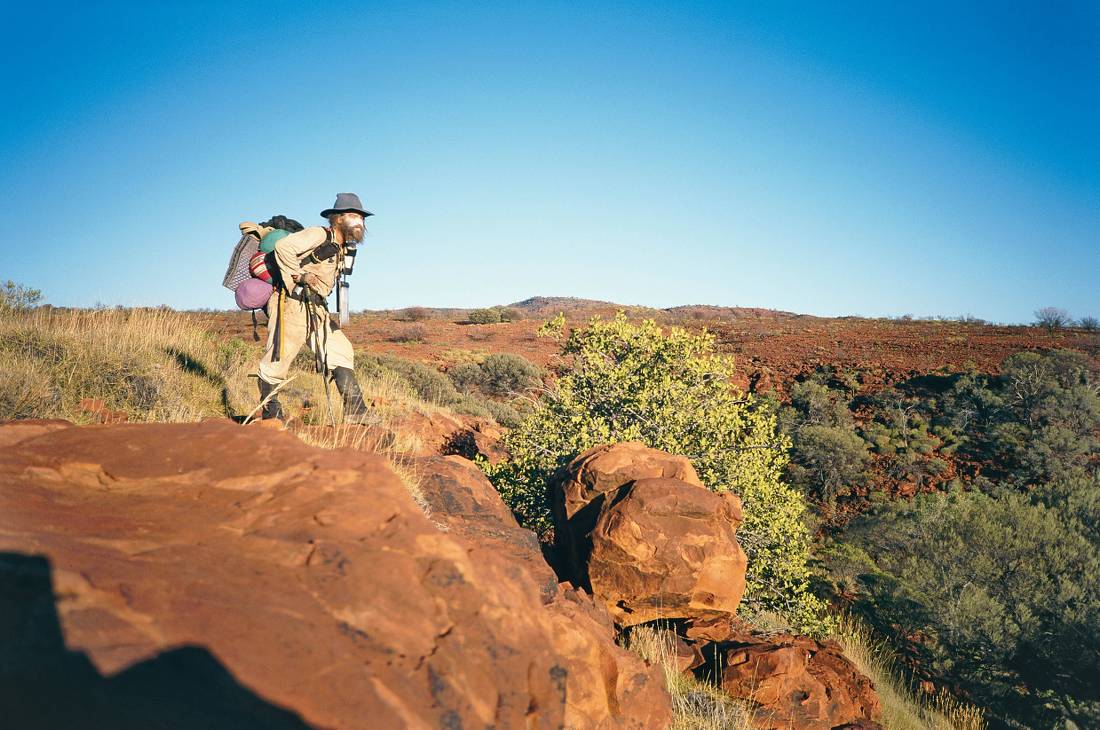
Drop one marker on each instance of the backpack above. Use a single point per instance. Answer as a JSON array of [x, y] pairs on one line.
[[240, 270]]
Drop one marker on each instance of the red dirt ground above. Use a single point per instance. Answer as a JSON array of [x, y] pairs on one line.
[[771, 348]]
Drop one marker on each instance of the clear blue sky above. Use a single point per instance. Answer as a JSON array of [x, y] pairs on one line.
[[840, 158]]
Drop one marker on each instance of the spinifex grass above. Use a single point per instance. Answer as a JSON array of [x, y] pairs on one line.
[[902, 708], [696, 705]]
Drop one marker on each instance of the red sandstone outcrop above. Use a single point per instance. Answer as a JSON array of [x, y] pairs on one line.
[[794, 681], [637, 527], [308, 579], [461, 499]]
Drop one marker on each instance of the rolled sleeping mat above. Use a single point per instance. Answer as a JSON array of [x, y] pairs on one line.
[[253, 293], [258, 267], [267, 244]]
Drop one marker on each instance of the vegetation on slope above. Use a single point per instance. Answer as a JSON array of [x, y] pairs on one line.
[[992, 576], [631, 381]]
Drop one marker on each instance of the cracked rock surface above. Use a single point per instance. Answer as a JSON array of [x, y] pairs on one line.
[[309, 578]]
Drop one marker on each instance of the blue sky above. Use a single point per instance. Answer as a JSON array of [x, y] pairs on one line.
[[834, 159]]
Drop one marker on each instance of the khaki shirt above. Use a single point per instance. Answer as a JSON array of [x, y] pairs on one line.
[[290, 250]]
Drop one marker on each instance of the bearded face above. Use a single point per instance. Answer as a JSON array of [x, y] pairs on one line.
[[352, 226]]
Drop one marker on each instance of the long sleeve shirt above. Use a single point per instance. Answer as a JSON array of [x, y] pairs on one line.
[[290, 250]]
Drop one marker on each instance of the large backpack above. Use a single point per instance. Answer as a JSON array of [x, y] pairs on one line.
[[240, 271]]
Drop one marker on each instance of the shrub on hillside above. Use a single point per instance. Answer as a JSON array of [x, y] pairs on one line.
[[15, 296], [1005, 591], [428, 383], [827, 458], [509, 314], [485, 316], [505, 374], [466, 376], [409, 333], [631, 382], [416, 314], [1089, 324]]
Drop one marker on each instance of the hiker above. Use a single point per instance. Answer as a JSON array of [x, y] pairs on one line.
[[309, 262]]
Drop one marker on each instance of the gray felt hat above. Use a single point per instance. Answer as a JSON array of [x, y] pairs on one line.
[[346, 202]]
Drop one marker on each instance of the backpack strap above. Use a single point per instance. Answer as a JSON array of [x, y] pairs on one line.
[[323, 252]]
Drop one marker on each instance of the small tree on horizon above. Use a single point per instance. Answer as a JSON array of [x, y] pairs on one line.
[[17, 296], [1052, 318]]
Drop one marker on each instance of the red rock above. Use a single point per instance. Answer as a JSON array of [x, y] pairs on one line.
[[12, 432], [605, 469], [795, 681], [462, 499], [97, 408], [308, 578], [664, 548]]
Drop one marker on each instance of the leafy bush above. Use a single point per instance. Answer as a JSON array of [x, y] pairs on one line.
[[1005, 590], [500, 374], [632, 382], [428, 383], [507, 374], [509, 314], [485, 316], [409, 333], [15, 296], [466, 376], [416, 314], [827, 458]]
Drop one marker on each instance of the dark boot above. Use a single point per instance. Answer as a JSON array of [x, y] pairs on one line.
[[355, 410], [273, 408]]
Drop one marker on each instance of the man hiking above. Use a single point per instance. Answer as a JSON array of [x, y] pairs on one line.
[[309, 262]]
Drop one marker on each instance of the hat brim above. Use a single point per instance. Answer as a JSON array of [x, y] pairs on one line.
[[329, 211]]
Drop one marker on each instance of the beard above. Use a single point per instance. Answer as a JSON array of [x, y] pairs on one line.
[[352, 231]]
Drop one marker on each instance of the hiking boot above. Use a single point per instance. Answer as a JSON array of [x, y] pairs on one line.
[[273, 408], [355, 410]]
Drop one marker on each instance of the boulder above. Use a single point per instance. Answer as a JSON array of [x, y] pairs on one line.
[[461, 499], [12, 432], [666, 549], [482, 439], [795, 681], [604, 469], [245, 579]]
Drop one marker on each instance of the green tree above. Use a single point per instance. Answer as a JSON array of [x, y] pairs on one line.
[[1005, 590], [17, 297], [632, 382], [485, 316], [827, 458]]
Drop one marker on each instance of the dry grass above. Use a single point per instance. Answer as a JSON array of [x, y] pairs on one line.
[[696, 705], [156, 365], [902, 708], [151, 364]]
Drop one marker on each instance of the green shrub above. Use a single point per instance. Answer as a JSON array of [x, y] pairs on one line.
[[15, 296], [428, 383], [631, 382], [827, 457], [1004, 590], [485, 316], [466, 376], [506, 374], [509, 314]]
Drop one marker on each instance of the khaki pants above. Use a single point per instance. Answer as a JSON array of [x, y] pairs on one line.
[[336, 345]]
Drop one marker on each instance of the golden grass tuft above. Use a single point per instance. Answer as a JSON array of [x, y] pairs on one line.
[[902, 707], [696, 705], [157, 365]]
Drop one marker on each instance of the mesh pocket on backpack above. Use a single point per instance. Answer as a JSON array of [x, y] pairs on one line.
[[238, 262]]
